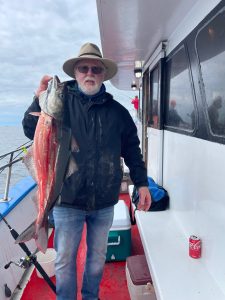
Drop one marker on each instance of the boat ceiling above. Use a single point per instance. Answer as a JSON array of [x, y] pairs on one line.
[[131, 30]]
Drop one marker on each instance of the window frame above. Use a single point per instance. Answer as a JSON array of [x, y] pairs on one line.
[[167, 88], [204, 24]]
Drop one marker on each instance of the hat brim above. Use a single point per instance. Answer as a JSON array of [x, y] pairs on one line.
[[111, 67]]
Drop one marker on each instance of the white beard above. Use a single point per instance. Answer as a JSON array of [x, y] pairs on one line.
[[91, 90]]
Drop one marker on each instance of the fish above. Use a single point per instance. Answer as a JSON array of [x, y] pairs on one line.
[[49, 160]]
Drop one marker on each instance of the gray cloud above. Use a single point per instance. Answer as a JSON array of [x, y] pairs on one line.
[[36, 38]]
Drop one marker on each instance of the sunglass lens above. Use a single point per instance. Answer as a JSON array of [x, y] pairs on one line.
[[94, 70], [83, 69]]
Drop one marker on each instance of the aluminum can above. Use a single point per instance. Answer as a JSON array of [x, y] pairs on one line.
[[195, 246]]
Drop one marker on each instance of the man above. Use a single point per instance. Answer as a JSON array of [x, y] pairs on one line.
[[135, 102], [104, 131], [174, 119], [213, 112]]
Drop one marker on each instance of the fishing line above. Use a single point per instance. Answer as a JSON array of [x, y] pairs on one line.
[[20, 148], [31, 258]]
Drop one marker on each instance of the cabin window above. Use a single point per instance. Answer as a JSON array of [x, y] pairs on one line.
[[210, 46], [180, 110], [154, 99]]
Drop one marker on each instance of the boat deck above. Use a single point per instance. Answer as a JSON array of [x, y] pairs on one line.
[[113, 285]]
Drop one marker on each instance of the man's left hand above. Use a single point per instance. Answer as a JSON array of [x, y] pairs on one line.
[[145, 199]]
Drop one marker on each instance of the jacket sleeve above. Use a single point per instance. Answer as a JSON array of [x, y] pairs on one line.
[[131, 152], [29, 121]]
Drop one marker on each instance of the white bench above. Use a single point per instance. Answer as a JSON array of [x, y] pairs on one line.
[[175, 275]]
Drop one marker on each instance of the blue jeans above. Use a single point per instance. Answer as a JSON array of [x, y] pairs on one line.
[[69, 223]]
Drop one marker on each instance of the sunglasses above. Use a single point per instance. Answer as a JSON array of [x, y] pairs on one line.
[[95, 70]]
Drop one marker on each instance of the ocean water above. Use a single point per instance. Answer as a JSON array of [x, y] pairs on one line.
[[11, 137]]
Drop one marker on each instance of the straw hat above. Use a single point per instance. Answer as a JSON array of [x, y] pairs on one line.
[[90, 51]]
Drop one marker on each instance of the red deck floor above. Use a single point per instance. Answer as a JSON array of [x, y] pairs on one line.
[[113, 285]]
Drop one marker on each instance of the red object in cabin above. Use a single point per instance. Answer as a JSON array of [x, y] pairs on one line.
[[135, 102], [194, 247]]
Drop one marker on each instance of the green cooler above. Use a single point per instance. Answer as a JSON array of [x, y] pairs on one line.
[[119, 240]]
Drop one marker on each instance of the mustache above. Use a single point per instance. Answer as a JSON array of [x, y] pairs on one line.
[[90, 78]]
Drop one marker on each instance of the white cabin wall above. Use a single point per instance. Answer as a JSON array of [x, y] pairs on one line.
[[155, 147], [194, 177]]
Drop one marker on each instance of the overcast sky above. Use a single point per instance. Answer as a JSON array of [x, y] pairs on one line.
[[36, 38]]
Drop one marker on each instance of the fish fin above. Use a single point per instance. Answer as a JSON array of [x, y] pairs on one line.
[[74, 145], [28, 160], [72, 167], [35, 113], [28, 234]]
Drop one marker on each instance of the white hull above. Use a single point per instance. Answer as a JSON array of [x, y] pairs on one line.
[[19, 218]]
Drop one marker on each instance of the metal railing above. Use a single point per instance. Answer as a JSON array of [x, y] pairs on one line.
[[13, 157]]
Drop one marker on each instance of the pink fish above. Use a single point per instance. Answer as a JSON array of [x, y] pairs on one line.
[[49, 160]]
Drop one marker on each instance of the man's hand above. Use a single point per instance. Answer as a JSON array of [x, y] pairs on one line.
[[43, 84], [145, 199]]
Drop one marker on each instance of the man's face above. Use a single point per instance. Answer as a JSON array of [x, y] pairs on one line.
[[89, 74]]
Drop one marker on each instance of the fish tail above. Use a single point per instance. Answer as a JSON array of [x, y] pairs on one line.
[[37, 232], [28, 234], [42, 236]]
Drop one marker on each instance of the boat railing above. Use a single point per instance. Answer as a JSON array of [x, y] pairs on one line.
[[13, 157]]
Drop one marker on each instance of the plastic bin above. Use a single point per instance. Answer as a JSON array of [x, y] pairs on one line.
[[139, 280], [47, 261], [119, 239]]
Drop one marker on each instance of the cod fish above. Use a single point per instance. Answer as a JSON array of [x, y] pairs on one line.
[[49, 160]]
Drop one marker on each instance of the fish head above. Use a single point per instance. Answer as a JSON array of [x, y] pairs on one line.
[[51, 100]]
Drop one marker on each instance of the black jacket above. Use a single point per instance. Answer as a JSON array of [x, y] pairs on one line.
[[104, 132]]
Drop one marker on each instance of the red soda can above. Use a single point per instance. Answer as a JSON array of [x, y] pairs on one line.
[[195, 246]]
